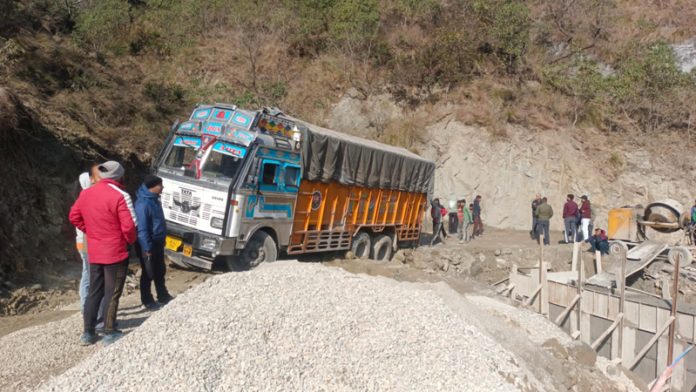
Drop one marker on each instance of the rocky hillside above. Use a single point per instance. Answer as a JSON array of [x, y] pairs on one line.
[[510, 97], [508, 169]]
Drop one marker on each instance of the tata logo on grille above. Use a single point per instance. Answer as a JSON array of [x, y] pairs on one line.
[[186, 207]]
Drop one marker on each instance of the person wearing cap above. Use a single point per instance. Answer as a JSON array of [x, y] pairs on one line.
[[585, 217], [104, 213], [152, 231]]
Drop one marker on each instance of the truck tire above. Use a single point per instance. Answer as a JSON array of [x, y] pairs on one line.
[[382, 248], [261, 247], [362, 245]]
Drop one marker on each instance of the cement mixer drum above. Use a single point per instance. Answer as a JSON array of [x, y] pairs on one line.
[[665, 216]]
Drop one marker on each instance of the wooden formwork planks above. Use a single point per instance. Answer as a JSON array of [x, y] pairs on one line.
[[647, 318], [663, 328], [685, 326]]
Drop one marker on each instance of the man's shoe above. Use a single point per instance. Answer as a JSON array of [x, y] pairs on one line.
[[88, 338], [166, 300], [112, 337], [151, 306]]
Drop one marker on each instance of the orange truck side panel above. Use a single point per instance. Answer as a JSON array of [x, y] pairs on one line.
[[328, 215]]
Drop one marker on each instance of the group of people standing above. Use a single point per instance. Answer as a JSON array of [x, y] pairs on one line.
[[577, 222], [467, 216], [107, 224]]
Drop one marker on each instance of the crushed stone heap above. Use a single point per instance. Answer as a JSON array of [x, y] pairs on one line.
[[301, 326]]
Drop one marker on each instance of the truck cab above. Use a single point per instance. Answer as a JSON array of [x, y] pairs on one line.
[[230, 177]]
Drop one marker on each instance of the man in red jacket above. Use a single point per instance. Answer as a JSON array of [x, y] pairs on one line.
[[570, 217], [104, 212]]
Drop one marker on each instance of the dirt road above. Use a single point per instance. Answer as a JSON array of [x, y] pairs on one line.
[[60, 301]]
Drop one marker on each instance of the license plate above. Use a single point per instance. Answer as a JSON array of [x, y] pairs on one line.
[[188, 250], [173, 243]]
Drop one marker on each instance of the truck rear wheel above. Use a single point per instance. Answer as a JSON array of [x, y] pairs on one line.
[[261, 247], [382, 248], [361, 246]]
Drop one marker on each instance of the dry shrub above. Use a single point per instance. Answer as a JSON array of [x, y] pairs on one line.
[[408, 132]]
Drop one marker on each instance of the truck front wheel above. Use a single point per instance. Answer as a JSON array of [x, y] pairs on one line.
[[261, 247]]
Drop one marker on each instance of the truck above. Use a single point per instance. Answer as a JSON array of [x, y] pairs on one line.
[[242, 187]]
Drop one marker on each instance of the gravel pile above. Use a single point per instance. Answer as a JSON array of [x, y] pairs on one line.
[[292, 326], [33, 355]]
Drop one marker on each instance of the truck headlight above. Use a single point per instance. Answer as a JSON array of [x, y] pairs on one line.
[[208, 244], [216, 223]]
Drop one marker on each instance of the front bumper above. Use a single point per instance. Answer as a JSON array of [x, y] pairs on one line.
[[203, 244], [184, 261]]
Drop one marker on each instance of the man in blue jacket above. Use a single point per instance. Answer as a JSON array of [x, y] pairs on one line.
[[152, 231]]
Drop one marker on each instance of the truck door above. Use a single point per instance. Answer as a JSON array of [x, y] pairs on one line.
[[272, 204], [291, 177]]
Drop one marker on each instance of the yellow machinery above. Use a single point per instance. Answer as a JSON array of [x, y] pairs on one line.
[[659, 222], [623, 224]]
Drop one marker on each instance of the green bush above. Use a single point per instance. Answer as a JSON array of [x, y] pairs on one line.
[[310, 34], [506, 25], [103, 25], [354, 25], [510, 32]]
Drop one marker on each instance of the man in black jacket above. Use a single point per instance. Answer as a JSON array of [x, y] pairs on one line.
[[436, 214]]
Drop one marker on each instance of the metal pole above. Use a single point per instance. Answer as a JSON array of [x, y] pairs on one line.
[[541, 266], [581, 276], [622, 299], [675, 293]]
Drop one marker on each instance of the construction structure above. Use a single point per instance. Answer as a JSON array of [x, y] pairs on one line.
[[641, 331]]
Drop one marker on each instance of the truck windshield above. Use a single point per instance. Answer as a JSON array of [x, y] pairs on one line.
[[180, 157], [222, 166]]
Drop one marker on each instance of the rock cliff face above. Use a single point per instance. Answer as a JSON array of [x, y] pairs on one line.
[[614, 170]]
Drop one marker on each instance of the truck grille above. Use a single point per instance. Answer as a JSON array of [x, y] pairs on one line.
[[185, 208]]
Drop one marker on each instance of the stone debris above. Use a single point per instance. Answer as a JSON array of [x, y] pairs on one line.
[[291, 326]]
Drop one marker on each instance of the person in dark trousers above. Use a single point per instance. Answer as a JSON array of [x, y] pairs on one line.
[[436, 214], [465, 220], [535, 204], [599, 241], [570, 217], [543, 214], [104, 212], [152, 231], [478, 223]]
